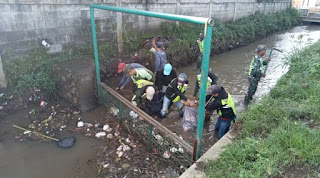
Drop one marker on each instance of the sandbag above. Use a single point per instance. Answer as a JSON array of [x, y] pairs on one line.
[[190, 118]]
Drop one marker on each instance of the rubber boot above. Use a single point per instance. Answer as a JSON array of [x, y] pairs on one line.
[[162, 114]]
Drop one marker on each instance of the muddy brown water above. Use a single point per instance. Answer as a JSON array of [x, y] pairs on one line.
[[29, 160]]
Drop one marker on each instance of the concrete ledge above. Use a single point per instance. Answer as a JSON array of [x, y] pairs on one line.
[[212, 154]]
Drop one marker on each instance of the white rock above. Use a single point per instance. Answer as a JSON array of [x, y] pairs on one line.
[[88, 129], [173, 149], [158, 137], [116, 133], [106, 127], [180, 150], [109, 129], [120, 154], [27, 132], [109, 136], [96, 125], [80, 124], [133, 115], [126, 148], [166, 154], [128, 140], [100, 134], [114, 111], [88, 124], [105, 165], [63, 126], [120, 148]]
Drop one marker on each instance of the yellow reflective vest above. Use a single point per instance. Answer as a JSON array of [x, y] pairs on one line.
[[227, 104], [182, 88], [141, 83], [209, 80], [200, 44]]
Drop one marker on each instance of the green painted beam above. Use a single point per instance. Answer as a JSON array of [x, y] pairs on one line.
[[203, 84], [95, 47], [182, 18]]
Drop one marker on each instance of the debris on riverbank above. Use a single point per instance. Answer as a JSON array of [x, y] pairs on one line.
[[123, 153]]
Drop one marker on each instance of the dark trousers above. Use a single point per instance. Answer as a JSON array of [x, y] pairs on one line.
[[157, 77]]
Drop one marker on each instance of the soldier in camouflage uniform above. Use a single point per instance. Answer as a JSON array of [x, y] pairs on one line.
[[256, 71]]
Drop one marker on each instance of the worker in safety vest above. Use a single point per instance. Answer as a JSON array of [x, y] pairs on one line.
[[126, 77], [200, 43], [143, 89], [256, 71], [139, 73], [175, 93], [221, 101], [211, 80]]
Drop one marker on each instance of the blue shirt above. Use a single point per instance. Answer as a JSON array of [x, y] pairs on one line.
[[160, 60], [126, 77], [136, 65]]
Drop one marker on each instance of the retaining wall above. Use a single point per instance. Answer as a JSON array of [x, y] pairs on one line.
[[25, 23]]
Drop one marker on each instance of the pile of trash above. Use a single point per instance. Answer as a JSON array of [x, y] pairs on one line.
[[48, 120], [10, 102], [124, 155]]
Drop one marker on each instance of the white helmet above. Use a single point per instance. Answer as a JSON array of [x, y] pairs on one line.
[[150, 92]]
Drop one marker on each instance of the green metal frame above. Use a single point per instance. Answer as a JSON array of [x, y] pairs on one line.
[[208, 22]]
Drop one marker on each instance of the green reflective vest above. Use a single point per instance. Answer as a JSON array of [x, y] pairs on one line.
[[209, 80], [226, 105]]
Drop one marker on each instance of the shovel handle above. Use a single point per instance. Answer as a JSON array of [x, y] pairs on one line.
[[15, 126]]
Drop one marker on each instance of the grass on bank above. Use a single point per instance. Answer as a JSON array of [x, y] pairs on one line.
[[280, 135]]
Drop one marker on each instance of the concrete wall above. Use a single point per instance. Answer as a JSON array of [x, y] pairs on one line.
[[3, 82], [24, 23]]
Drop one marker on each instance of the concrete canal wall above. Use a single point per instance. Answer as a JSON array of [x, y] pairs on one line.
[[24, 24]]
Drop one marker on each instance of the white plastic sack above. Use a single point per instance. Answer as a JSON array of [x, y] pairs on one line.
[[190, 118]]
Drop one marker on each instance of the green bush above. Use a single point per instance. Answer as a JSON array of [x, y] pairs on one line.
[[33, 71]]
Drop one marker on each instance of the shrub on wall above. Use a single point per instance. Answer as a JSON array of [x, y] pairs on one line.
[[33, 71], [230, 35]]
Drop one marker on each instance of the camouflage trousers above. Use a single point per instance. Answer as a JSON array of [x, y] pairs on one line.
[[253, 84], [199, 61]]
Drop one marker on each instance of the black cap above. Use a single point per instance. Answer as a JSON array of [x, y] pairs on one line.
[[214, 89]]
